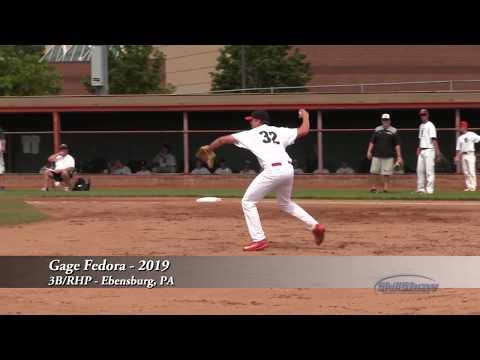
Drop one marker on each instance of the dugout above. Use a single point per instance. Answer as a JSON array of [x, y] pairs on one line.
[[131, 128]]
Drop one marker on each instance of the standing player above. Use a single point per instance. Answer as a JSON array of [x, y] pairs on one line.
[[466, 152], [384, 145], [3, 149], [428, 153], [268, 144]]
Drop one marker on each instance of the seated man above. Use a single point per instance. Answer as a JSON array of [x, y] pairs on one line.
[[247, 168], [143, 170], [118, 168], [164, 161], [223, 169], [200, 169], [63, 169], [344, 169]]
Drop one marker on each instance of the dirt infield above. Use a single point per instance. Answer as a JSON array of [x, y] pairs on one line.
[[235, 301], [180, 226]]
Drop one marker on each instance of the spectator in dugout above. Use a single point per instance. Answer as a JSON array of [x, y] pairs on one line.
[[164, 161], [344, 169], [143, 169], [223, 169], [118, 168], [200, 169], [64, 168], [323, 171]]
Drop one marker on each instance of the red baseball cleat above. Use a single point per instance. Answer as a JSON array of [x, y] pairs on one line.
[[319, 233], [256, 246]]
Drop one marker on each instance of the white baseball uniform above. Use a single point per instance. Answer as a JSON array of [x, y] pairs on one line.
[[268, 144], [465, 144], [426, 158], [2, 150]]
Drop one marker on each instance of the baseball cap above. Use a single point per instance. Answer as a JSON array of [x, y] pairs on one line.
[[423, 112], [386, 116], [259, 115], [463, 124]]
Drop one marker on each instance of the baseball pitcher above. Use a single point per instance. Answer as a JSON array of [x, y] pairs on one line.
[[428, 153], [466, 154], [268, 144]]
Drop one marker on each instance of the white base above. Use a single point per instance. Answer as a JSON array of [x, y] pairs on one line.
[[208, 199]]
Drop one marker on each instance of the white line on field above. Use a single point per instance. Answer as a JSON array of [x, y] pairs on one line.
[[390, 203]]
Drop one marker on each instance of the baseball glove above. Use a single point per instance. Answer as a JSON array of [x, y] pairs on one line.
[[206, 155]]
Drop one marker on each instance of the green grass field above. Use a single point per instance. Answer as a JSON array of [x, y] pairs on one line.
[[236, 193], [14, 210]]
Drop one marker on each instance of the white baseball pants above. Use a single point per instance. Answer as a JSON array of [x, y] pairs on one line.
[[469, 170], [280, 180], [2, 164], [426, 171]]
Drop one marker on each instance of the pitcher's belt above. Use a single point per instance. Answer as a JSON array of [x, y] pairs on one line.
[[280, 164]]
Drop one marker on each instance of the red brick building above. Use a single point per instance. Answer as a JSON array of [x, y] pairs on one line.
[[72, 76], [349, 64]]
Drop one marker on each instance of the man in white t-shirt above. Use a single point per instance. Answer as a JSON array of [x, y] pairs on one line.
[[63, 169], [3, 149], [268, 144], [466, 154], [428, 153]]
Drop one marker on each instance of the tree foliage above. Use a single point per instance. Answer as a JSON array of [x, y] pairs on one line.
[[23, 74], [265, 66]]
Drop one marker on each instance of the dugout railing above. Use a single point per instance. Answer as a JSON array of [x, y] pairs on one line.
[[320, 149]]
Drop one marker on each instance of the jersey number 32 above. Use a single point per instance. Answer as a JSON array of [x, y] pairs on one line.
[[269, 137]]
